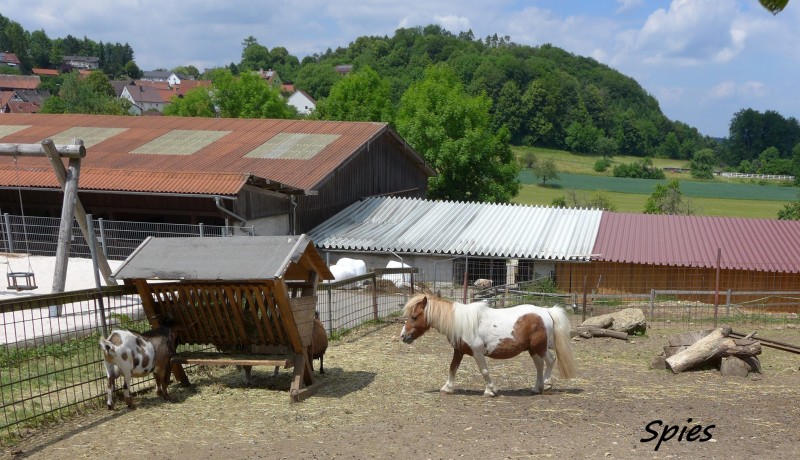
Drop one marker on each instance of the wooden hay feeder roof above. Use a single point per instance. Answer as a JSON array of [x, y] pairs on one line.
[[244, 294], [225, 259]]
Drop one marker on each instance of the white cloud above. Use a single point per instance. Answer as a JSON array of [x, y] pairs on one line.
[[454, 24], [689, 32], [627, 5], [730, 89]]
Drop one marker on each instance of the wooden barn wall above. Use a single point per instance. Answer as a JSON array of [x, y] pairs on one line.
[[136, 208], [619, 278], [379, 168], [255, 204]]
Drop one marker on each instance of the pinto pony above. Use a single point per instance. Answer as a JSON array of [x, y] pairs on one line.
[[478, 330]]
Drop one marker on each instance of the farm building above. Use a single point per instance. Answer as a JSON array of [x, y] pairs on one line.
[[637, 253], [614, 253], [445, 240], [277, 176]]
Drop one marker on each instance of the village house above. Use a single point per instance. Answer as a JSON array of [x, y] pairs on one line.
[[82, 62]]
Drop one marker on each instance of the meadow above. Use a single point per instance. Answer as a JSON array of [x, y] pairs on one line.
[[718, 197]]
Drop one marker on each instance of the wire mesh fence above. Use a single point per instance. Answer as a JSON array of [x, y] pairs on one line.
[[51, 366], [373, 297], [678, 296], [118, 239]]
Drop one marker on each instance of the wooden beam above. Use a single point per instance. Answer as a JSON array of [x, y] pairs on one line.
[[38, 150], [65, 227], [80, 213]]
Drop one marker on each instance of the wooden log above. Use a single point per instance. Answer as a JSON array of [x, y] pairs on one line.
[[599, 332], [732, 366], [36, 150], [716, 344]]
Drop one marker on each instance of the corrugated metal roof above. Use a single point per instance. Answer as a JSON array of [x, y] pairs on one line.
[[409, 225], [115, 139], [237, 258], [130, 181], [693, 241]]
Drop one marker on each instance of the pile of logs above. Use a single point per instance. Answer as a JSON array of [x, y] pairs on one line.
[[715, 348]]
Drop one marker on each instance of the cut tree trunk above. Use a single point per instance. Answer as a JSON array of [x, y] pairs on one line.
[[714, 345], [588, 332]]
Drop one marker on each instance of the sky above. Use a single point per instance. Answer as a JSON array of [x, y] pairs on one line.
[[703, 60]]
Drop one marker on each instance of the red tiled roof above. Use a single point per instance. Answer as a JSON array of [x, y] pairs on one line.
[[160, 84], [5, 96], [19, 81], [9, 58], [23, 107], [50, 72], [693, 241], [186, 85], [224, 158]]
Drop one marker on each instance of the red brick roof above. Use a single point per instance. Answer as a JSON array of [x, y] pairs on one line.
[[693, 241], [297, 154]]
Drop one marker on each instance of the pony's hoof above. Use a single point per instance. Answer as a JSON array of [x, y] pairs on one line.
[[536, 391], [489, 394], [446, 390], [110, 407]]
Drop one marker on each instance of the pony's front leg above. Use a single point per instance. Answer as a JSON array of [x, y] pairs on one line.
[[481, 360], [451, 378]]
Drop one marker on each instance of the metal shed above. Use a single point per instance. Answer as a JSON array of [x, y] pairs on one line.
[[252, 298]]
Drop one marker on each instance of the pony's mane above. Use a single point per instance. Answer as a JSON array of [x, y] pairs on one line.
[[453, 319]]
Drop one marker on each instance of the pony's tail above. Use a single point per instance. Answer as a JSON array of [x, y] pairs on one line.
[[561, 329]]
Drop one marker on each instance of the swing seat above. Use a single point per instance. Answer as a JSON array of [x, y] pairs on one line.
[[21, 281]]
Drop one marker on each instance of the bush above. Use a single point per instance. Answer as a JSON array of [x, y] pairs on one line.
[[643, 169], [602, 164]]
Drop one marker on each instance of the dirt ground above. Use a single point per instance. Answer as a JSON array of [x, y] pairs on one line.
[[381, 400]]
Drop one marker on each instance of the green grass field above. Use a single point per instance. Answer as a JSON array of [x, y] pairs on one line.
[[719, 197]]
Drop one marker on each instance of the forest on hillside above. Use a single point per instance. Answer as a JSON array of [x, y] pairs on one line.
[[542, 95]]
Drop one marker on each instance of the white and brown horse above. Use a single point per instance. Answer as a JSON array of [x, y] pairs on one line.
[[478, 330]]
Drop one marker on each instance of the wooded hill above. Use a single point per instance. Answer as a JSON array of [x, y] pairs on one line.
[[544, 95]]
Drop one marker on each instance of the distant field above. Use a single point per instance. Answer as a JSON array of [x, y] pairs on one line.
[[736, 198], [631, 202], [696, 189]]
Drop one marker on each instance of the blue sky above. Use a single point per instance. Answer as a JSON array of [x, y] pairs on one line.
[[702, 59]]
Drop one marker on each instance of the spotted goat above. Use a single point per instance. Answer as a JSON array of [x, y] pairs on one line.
[[132, 354]]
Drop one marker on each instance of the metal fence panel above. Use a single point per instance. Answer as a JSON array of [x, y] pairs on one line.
[[39, 235]]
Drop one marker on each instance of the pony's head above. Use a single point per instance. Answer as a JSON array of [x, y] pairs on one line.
[[416, 320]]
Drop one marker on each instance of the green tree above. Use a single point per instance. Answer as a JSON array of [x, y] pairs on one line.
[[451, 129], [582, 138], [196, 102], [362, 96], [188, 70], [132, 70], [774, 6], [88, 95], [668, 199], [249, 96], [671, 147], [254, 56], [702, 164], [790, 211], [546, 170], [317, 79]]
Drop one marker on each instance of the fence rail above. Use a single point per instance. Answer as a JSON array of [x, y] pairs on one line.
[[39, 235]]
